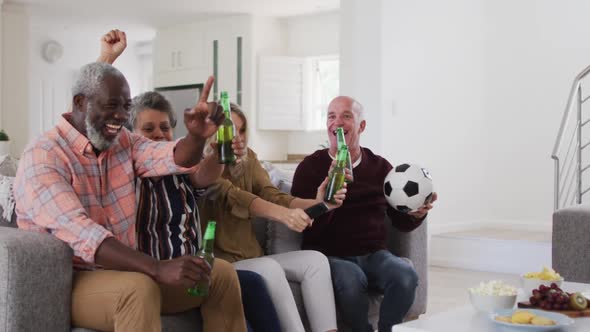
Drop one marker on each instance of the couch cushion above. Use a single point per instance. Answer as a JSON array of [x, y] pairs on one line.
[[280, 178], [281, 239], [185, 321]]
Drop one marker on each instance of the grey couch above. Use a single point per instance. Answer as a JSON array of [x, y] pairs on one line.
[[36, 277], [571, 243]]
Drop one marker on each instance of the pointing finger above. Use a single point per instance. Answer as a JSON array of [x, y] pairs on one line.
[[205, 95]]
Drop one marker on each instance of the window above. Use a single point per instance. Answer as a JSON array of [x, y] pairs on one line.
[[293, 93], [325, 87]]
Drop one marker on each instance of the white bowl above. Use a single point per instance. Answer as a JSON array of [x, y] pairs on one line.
[[528, 284], [492, 303]]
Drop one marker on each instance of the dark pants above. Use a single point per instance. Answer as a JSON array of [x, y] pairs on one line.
[[353, 277], [260, 312]]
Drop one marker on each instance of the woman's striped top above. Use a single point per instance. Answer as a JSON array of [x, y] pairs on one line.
[[167, 217]]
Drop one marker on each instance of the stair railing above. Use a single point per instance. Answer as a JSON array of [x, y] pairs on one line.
[[568, 162]]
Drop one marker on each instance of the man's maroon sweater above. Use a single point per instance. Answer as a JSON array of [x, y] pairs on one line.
[[357, 227]]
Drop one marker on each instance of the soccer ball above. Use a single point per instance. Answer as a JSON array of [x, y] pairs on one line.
[[407, 187]]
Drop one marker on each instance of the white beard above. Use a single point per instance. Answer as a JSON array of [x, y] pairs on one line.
[[94, 136]]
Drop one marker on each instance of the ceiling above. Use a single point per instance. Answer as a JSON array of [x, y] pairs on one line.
[[167, 12], [140, 18]]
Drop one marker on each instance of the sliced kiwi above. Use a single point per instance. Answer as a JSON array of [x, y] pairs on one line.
[[578, 301]]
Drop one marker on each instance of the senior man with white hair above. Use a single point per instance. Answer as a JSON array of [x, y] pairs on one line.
[[353, 236], [76, 182]]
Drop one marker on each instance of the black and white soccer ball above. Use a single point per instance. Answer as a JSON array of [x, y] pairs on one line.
[[407, 187]]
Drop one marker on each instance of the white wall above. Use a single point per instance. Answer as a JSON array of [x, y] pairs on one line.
[[311, 35], [50, 83], [268, 38], [15, 73], [360, 63], [432, 94], [473, 90], [534, 49], [145, 53], [35, 92]]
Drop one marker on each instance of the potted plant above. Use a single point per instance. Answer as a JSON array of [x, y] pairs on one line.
[[4, 143]]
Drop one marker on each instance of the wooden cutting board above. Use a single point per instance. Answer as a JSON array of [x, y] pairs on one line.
[[570, 313]]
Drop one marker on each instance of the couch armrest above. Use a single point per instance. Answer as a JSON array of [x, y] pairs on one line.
[[570, 243], [413, 245], [35, 282]]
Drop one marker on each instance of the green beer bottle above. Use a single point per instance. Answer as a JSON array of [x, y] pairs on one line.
[[206, 252], [336, 179], [341, 143], [225, 133]]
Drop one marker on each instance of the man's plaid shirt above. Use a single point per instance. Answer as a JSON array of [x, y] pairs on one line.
[[64, 189]]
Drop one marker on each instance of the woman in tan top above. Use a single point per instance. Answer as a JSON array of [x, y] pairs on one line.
[[245, 191]]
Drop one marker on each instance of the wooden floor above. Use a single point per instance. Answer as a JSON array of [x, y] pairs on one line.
[[447, 287]]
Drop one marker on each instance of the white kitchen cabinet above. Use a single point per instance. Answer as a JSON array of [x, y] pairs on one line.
[[183, 54], [226, 32], [180, 56]]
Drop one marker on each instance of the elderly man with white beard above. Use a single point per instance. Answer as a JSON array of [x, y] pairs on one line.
[[76, 182]]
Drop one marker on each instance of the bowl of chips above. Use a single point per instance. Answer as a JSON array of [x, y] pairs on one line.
[[533, 280]]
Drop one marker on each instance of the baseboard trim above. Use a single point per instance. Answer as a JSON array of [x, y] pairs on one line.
[[485, 254], [518, 225]]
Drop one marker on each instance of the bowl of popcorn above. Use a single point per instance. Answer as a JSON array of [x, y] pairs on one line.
[[533, 280], [492, 296]]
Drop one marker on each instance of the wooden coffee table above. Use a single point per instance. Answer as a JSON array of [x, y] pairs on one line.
[[467, 319]]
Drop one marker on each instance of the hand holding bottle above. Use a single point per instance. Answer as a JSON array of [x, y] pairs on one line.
[[237, 145], [337, 176], [347, 172], [204, 118], [201, 287], [338, 197], [341, 141], [226, 133], [183, 271], [240, 149]]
